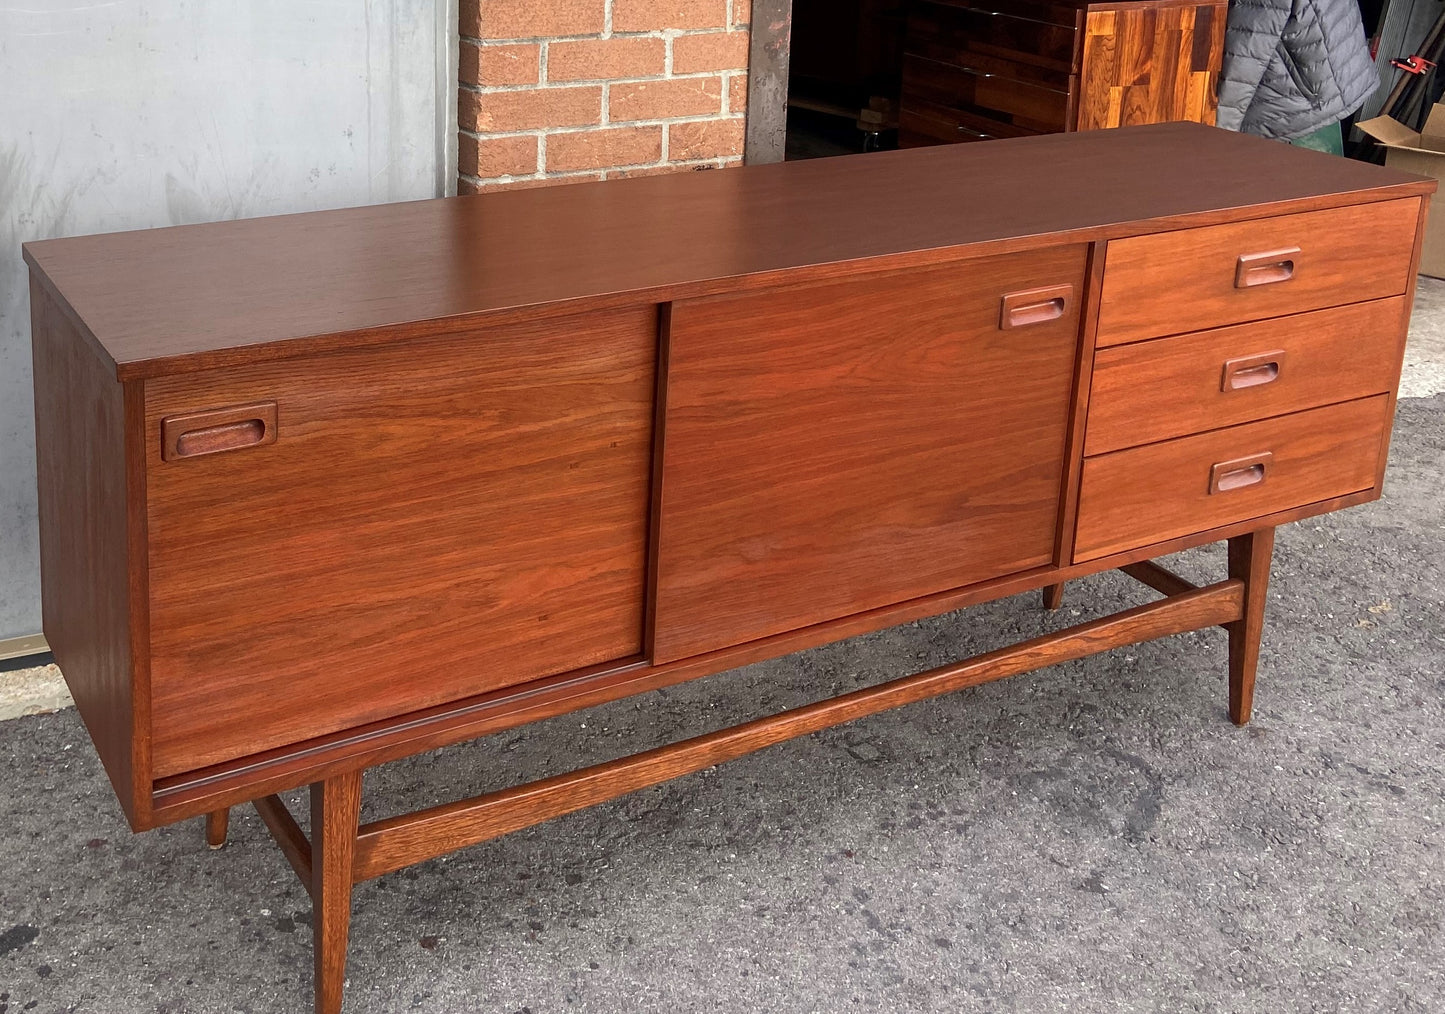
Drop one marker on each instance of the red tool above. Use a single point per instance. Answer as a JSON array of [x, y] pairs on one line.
[[1412, 64]]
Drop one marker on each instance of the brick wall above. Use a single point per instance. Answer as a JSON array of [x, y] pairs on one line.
[[561, 90]]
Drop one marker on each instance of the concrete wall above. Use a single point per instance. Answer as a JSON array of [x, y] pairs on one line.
[[139, 113]]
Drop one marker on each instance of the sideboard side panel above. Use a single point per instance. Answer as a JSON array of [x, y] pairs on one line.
[[84, 577]]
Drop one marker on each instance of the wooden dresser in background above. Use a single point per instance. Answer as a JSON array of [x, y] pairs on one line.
[[982, 69], [572, 445]]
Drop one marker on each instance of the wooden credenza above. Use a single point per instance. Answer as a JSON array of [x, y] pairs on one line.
[[576, 444], [976, 70]]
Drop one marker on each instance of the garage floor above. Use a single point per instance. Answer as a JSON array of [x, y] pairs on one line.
[[1095, 837]]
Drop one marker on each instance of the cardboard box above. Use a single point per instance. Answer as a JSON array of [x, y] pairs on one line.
[[1421, 152]]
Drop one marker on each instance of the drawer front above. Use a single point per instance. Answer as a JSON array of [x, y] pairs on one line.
[[1172, 387], [345, 538], [1026, 103], [1024, 32], [1193, 279], [1149, 494], [836, 447]]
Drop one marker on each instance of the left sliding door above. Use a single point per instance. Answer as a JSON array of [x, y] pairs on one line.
[[346, 537]]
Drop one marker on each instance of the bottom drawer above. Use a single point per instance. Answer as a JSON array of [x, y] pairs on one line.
[[1148, 494]]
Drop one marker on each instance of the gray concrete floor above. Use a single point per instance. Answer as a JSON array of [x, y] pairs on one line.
[[1094, 837]]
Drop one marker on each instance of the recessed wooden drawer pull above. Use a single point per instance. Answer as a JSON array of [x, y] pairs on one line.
[[1265, 268], [222, 429], [1240, 472], [1252, 371], [1034, 306]]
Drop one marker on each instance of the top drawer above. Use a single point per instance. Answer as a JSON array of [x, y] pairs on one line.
[[1192, 279]]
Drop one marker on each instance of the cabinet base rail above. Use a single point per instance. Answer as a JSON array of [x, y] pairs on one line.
[[341, 852]]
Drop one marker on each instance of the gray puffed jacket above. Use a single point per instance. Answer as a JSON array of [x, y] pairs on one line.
[[1293, 66]]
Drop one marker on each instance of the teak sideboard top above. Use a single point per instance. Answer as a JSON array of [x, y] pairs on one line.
[[578, 443], [193, 297]]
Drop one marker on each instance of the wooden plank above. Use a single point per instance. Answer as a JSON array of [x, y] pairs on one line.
[[1099, 69], [388, 845], [288, 835], [194, 297], [1162, 580]]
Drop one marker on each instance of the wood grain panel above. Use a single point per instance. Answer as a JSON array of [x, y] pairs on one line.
[[1156, 492], [203, 296], [1188, 280], [1150, 64], [1026, 103], [837, 447], [434, 520], [80, 422], [1172, 387], [1010, 30]]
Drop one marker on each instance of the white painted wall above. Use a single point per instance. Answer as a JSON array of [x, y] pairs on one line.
[[130, 114]]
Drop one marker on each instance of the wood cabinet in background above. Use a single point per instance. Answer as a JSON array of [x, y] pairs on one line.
[[976, 70]]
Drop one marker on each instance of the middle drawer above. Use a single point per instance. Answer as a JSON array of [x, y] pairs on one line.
[[1172, 387]]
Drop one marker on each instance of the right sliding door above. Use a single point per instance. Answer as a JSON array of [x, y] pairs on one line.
[[833, 447]]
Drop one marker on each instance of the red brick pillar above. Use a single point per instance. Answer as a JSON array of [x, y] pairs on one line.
[[554, 91]]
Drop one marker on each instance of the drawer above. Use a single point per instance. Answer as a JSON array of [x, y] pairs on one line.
[[1137, 497], [1173, 282], [1172, 387], [1026, 103]]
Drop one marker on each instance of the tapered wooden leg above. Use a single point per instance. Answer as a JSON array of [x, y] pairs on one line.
[[1249, 560], [1053, 595], [217, 823], [335, 810]]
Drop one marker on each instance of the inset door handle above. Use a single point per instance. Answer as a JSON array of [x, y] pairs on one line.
[[1252, 371], [216, 430], [1265, 268], [1240, 473], [1034, 306]]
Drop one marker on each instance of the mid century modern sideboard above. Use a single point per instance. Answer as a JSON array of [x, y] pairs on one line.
[[580, 443]]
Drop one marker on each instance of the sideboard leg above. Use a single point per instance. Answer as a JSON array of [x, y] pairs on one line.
[[1053, 595], [217, 823], [1249, 560], [335, 811]]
